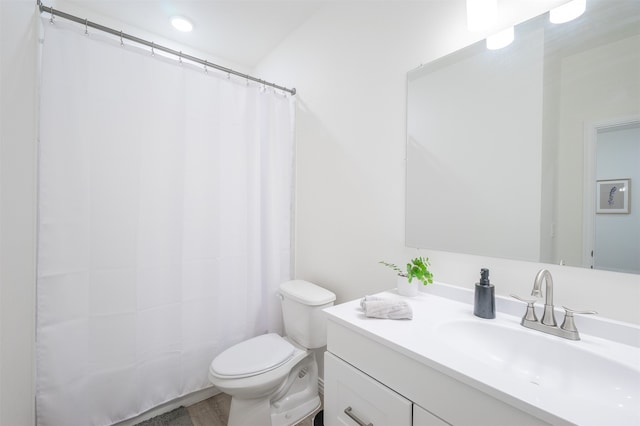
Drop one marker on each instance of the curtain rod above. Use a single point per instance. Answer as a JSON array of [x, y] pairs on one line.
[[153, 46]]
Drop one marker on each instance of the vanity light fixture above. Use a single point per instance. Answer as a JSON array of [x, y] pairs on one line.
[[481, 14], [181, 23], [501, 39], [567, 12]]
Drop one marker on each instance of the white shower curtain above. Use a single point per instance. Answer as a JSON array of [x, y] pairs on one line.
[[164, 224]]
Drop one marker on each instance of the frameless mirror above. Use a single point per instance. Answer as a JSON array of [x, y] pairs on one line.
[[511, 152]]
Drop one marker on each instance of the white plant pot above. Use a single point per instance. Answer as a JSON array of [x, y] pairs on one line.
[[406, 288]]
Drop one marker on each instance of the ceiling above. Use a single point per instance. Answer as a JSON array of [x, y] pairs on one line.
[[234, 33], [241, 32]]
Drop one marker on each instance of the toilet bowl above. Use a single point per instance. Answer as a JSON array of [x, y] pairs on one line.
[[273, 380], [255, 367]]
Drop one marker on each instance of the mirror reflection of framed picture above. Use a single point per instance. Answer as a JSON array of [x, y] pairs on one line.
[[613, 195]]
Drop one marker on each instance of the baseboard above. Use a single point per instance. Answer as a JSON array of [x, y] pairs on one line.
[[185, 401]]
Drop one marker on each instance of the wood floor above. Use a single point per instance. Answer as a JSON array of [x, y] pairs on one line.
[[215, 412]]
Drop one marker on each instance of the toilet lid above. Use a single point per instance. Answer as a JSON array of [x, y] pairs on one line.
[[253, 356]]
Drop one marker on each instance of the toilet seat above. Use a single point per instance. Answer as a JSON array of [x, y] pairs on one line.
[[252, 357]]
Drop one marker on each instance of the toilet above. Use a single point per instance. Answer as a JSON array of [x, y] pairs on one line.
[[273, 380]]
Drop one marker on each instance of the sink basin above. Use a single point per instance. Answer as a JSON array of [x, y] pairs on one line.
[[572, 368]]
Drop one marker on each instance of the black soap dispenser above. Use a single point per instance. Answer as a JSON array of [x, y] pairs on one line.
[[484, 305]]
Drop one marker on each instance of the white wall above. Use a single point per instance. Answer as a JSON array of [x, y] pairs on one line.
[[349, 65], [17, 210]]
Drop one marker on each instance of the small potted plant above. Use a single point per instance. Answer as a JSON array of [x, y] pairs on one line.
[[417, 268]]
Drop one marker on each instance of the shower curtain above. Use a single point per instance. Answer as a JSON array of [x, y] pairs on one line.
[[164, 224]]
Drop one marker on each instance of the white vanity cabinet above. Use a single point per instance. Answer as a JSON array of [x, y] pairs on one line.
[[390, 386], [383, 385], [446, 366], [354, 398], [422, 417]]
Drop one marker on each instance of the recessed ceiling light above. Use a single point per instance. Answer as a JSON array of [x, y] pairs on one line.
[[181, 23]]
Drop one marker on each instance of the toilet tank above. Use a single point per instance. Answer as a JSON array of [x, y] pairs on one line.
[[302, 305]]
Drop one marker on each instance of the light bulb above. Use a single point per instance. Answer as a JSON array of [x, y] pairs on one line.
[[567, 12], [501, 39]]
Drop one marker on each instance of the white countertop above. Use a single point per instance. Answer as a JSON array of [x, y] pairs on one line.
[[426, 339]]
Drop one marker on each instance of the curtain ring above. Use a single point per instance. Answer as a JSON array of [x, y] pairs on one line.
[[205, 67], [153, 52], [180, 58], [228, 76], [86, 27], [121, 42], [52, 16]]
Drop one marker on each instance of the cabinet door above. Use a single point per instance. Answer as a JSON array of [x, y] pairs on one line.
[[422, 417], [351, 398]]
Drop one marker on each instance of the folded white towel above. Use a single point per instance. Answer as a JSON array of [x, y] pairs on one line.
[[376, 307], [369, 299]]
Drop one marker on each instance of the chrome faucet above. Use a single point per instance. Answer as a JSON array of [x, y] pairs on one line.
[[548, 323], [548, 317]]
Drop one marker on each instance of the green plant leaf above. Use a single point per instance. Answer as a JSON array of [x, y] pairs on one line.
[[417, 268]]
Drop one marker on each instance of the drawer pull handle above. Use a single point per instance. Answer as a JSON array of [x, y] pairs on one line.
[[348, 412]]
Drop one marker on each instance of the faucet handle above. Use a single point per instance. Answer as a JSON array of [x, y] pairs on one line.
[[568, 323], [571, 311], [530, 315], [527, 301]]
